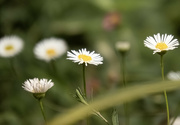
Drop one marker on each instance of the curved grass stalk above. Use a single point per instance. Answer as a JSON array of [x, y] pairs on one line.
[[118, 97]]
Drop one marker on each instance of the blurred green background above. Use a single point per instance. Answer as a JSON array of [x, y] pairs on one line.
[[95, 25]]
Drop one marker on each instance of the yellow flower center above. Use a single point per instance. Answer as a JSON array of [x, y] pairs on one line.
[[9, 47], [51, 52], [161, 46], [85, 57]]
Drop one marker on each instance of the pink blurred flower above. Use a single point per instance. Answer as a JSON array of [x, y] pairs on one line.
[[111, 21]]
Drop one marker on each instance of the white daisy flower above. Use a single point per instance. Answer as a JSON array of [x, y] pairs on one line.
[[161, 43], [10, 46], [50, 48], [174, 76], [84, 56], [37, 85]]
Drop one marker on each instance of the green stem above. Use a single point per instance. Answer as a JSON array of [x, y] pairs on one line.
[[165, 94], [84, 80], [124, 83], [162, 67], [42, 110], [84, 83], [167, 107], [123, 70]]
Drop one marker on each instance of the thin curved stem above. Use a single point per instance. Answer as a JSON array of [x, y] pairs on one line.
[[84, 80], [84, 85], [42, 110], [162, 67], [165, 94], [167, 107], [123, 70], [123, 67]]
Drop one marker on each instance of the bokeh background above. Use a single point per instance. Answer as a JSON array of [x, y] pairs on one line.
[[96, 25]]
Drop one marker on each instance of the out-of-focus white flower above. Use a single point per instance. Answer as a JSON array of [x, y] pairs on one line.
[[174, 76], [161, 43], [84, 56], [177, 121], [50, 48], [10, 46], [122, 46], [37, 85]]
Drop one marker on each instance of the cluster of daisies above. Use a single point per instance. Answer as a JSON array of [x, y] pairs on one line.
[[46, 49], [52, 48], [83, 56]]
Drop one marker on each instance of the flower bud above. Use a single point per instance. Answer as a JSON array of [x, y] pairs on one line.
[[122, 47]]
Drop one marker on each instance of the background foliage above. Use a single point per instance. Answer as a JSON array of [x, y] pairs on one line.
[[81, 24]]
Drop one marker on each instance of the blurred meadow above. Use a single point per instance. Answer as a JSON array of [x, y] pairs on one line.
[[95, 25]]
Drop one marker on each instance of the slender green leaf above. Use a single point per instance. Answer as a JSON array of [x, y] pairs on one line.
[[113, 99]]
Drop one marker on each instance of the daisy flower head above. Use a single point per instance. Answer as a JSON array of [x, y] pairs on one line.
[[84, 56], [50, 48], [10, 46], [161, 43], [37, 85]]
